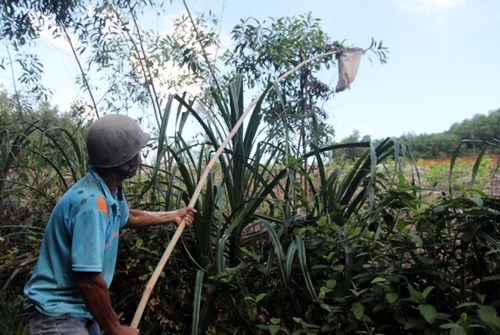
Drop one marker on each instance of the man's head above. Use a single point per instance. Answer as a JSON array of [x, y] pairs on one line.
[[115, 141]]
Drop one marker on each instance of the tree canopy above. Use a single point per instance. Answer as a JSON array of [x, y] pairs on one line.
[[480, 128], [21, 20]]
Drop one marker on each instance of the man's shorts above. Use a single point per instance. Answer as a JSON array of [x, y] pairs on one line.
[[40, 324]]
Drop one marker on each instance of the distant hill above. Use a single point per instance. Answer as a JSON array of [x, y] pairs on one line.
[[473, 133]]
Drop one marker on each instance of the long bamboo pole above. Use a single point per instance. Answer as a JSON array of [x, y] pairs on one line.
[[168, 251]]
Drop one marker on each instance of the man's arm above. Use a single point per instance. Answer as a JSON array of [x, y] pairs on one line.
[[96, 296], [141, 219]]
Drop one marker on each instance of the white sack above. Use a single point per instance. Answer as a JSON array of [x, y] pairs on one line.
[[348, 62]]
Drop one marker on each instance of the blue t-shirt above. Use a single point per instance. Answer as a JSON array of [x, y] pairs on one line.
[[81, 236]]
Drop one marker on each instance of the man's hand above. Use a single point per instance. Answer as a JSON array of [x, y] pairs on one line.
[[186, 213]]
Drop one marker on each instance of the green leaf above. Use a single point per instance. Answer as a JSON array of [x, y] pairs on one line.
[[457, 330], [198, 293], [447, 325], [358, 310], [260, 296], [252, 311], [275, 321], [329, 308], [331, 283], [417, 239], [414, 323], [491, 278], [427, 291], [415, 296], [391, 297], [274, 329], [488, 315], [478, 201], [428, 312], [467, 304], [378, 280]]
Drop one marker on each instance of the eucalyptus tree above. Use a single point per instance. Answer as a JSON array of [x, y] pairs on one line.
[[20, 20], [20, 25], [294, 110], [264, 50]]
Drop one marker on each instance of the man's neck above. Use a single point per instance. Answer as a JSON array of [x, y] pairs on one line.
[[112, 181]]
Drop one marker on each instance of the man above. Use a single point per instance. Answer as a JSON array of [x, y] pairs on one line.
[[68, 290]]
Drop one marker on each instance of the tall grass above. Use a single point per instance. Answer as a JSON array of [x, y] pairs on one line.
[[37, 165]]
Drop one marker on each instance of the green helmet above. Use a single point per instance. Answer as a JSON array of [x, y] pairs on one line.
[[113, 140]]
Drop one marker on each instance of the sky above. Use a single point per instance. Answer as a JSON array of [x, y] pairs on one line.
[[443, 63]]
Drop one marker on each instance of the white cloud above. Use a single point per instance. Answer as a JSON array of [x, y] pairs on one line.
[[429, 7]]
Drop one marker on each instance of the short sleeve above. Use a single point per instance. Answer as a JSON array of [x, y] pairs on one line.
[[88, 241]]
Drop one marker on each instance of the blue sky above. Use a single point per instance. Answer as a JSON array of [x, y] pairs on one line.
[[443, 65], [442, 68]]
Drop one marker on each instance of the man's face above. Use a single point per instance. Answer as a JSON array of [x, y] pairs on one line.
[[137, 163]]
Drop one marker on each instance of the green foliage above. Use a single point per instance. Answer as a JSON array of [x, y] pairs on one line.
[[439, 145], [41, 153], [479, 127], [20, 20], [12, 318], [417, 268], [470, 136], [20, 25], [264, 50]]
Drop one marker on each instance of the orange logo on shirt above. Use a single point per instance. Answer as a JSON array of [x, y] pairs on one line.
[[102, 205]]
